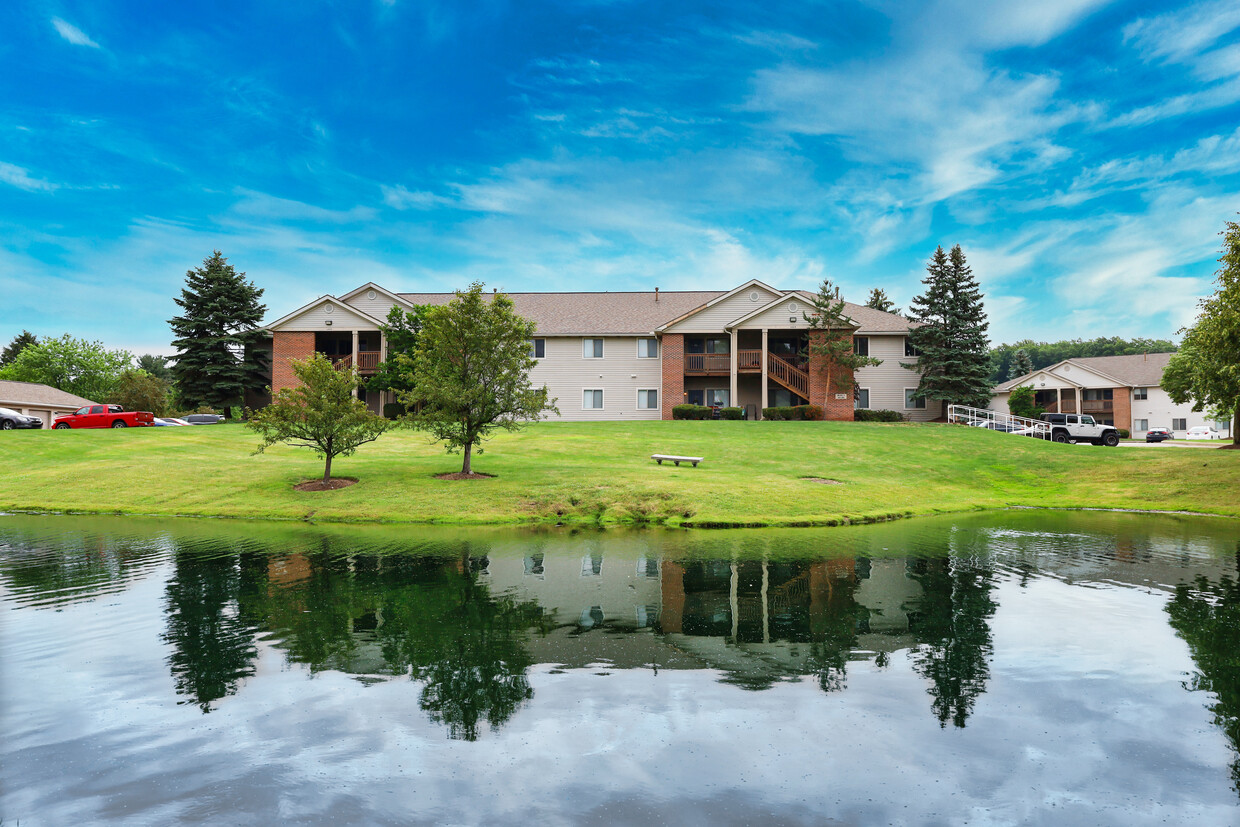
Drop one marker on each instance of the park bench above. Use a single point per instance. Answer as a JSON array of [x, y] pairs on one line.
[[659, 458]]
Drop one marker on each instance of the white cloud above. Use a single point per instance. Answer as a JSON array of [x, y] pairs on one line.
[[20, 177], [1182, 36], [73, 34], [400, 198]]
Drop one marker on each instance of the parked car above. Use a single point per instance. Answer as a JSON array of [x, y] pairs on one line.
[[10, 419], [1080, 428], [1203, 432], [163, 421], [104, 416], [1158, 434], [203, 419]]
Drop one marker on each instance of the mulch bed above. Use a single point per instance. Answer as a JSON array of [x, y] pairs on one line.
[[459, 476], [317, 485]]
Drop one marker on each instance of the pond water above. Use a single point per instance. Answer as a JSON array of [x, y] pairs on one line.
[[1019, 667]]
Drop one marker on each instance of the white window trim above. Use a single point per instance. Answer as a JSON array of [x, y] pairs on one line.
[[1144, 394], [640, 391], [866, 339], [534, 347], [583, 399], [867, 400], [925, 404], [585, 339], [640, 339]]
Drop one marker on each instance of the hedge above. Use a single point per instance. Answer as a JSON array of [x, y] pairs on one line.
[[691, 412], [393, 410], [867, 415], [1124, 433], [796, 413]]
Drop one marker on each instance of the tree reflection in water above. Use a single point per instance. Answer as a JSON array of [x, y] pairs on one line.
[[1207, 616]]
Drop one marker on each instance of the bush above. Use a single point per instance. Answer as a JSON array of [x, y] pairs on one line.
[[812, 413], [731, 413], [690, 412], [867, 415], [796, 413], [393, 410], [1020, 403], [1124, 433]]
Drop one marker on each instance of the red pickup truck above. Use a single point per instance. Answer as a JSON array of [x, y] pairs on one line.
[[104, 416]]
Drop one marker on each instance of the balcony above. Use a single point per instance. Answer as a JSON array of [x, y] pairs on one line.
[[708, 364]]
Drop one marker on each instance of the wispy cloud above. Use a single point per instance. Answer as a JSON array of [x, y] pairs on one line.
[[73, 34], [20, 177]]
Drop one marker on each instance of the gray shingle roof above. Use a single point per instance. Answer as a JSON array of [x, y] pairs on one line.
[[1142, 370], [32, 394], [628, 314]]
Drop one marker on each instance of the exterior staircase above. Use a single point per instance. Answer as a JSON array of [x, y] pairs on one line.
[[787, 374]]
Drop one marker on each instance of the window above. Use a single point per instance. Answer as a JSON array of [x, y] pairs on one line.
[[592, 399], [97, 409], [1179, 424], [648, 348], [538, 348], [713, 345], [861, 399], [592, 348], [910, 351], [1140, 424], [82, 411], [647, 400], [1140, 393], [697, 397], [911, 403], [1098, 394], [717, 398], [861, 345]]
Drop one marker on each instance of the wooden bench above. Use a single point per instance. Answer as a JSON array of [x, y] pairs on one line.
[[659, 458]]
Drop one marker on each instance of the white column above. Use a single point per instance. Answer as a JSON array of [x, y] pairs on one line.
[[765, 403], [355, 359], [732, 394]]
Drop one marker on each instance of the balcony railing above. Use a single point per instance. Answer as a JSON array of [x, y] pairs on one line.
[[368, 360], [749, 360], [706, 364]]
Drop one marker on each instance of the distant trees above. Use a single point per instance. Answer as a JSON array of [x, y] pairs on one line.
[[831, 338], [879, 301], [87, 369], [321, 413], [1044, 354], [954, 357], [137, 390], [471, 372], [1206, 370], [156, 366], [20, 342], [216, 338]]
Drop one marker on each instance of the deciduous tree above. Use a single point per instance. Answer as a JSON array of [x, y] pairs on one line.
[[395, 373], [1206, 370], [1021, 402], [217, 357], [137, 390], [954, 357], [832, 338], [87, 369], [471, 372], [320, 414]]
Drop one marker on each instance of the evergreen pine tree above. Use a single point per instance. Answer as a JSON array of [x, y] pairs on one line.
[[951, 339], [835, 340], [20, 342], [1022, 365], [217, 359], [879, 301]]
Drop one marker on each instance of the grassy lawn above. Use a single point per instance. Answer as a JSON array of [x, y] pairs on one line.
[[755, 473]]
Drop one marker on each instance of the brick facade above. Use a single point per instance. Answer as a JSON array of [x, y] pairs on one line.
[[673, 391], [1121, 406], [286, 346], [838, 410]]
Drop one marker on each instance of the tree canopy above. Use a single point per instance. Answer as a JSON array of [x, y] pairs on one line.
[[19, 343], [1206, 370], [1043, 354], [320, 413], [471, 372], [137, 390], [217, 360], [831, 338], [395, 373], [87, 369], [954, 360]]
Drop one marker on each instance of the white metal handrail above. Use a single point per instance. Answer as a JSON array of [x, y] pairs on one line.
[[999, 421]]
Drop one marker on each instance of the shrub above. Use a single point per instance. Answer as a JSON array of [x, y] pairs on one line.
[[393, 410], [1020, 403], [796, 413], [867, 415], [812, 413], [731, 413], [690, 412], [1124, 433]]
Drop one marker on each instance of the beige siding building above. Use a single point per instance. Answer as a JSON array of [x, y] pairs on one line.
[[636, 355]]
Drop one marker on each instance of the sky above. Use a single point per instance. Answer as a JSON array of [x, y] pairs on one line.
[[1085, 154]]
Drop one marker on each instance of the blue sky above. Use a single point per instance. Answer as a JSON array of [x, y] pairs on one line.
[[1084, 153]]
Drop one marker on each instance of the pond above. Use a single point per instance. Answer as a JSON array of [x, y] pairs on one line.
[[1025, 667]]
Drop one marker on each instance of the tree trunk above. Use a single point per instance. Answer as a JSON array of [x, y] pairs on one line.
[[466, 468], [1235, 425], [327, 467]]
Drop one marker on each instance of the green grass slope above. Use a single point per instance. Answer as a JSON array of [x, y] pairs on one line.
[[755, 473]]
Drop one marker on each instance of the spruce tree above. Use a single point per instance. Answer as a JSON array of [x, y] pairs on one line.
[[20, 342], [217, 360], [835, 342], [1022, 365], [951, 338], [879, 301]]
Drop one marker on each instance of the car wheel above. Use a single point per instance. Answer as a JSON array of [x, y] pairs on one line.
[[61, 426], [7, 425], [1111, 439], [120, 423], [1060, 437]]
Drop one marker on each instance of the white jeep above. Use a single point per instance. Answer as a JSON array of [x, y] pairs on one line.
[[1080, 428]]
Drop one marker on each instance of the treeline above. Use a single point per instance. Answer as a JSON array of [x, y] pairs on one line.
[[1005, 361]]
